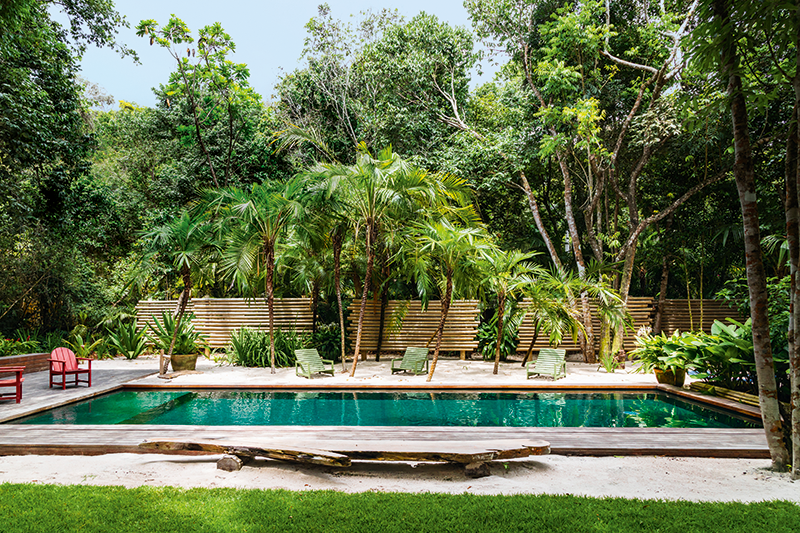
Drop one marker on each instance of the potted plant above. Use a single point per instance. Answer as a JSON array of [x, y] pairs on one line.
[[188, 341], [667, 357]]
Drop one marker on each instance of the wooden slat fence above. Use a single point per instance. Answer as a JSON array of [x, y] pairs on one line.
[[640, 309], [216, 318], [676, 315], [417, 327]]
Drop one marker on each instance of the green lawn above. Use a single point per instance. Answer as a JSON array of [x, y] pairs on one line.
[[34, 508]]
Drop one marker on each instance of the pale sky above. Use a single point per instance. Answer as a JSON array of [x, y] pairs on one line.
[[268, 35]]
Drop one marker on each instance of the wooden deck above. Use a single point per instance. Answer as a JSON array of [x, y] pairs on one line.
[[97, 440]]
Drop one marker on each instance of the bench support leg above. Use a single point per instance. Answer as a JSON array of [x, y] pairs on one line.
[[232, 463]]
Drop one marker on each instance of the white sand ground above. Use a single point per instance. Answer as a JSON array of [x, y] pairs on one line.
[[697, 479]]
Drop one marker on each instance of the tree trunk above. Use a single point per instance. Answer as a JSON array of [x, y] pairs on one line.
[[587, 344], [793, 237], [662, 294], [537, 217], [448, 294], [367, 277], [269, 250], [500, 312], [743, 172], [337, 239]]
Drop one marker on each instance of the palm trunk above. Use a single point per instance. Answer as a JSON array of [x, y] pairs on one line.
[[500, 312], [337, 280], [384, 298], [448, 294], [314, 305], [269, 251], [533, 342], [367, 277], [743, 172]]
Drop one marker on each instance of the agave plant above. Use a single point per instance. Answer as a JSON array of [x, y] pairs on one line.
[[128, 340], [187, 339]]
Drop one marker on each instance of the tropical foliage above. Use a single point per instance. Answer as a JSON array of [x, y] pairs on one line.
[[598, 157]]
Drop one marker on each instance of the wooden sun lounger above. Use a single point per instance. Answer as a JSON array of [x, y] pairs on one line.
[[550, 362], [309, 362], [415, 360]]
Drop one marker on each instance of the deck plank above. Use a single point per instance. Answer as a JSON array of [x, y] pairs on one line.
[[23, 439]]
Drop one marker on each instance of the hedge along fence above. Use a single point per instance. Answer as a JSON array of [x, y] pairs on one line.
[[417, 326], [216, 318], [641, 310], [675, 315]]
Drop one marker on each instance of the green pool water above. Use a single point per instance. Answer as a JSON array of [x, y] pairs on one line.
[[523, 409]]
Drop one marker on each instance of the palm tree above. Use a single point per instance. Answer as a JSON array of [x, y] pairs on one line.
[[328, 220], [449, 252], [185, 241], [252, 222], [378, 189], [548, 303], [507, 274]]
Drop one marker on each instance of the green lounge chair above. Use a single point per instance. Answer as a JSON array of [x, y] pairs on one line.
[[309, 362], [550, 362], [414, 360]]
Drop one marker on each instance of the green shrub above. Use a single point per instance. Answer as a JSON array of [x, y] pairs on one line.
[[680, 350], [52, 340], [725, 357], [327, 341], [187, 341], [17, 347], [127, 340], [487, 333], [250, 347]]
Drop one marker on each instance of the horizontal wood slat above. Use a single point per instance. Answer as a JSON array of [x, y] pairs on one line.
[[418, 326], [640, 309], [216, 318], [675, 315]]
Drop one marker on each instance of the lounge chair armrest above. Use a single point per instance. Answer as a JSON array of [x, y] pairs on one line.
[[59, 361], [327, 362], [85, 359], [299, 370], [12, 368]]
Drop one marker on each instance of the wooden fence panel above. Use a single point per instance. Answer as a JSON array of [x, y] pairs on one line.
[[216, 318], [675, 315], [417, 327], [641, 314]]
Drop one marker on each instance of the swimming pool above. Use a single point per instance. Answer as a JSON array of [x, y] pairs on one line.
[[337, 408]]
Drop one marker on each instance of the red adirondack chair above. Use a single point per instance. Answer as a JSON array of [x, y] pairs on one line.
[[64, 363], [15, 382]]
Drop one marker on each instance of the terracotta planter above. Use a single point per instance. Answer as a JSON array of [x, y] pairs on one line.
[[670, 377], [183, 362]]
